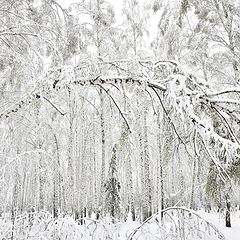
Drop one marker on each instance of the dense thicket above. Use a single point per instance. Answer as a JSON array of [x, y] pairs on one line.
[[115, 115]]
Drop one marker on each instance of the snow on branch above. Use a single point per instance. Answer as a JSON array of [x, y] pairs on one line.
[[185, 100], [179, 222], [181, 93], [224, 91]]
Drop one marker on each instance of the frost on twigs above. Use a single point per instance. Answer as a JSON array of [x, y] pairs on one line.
[[43, 226], [176, 223], [196, 107], [187, 98]]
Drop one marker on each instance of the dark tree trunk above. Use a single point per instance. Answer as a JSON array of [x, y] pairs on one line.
[[98, 214], [228, 218], [112, 211], [55, 209], [133, 213], [81, 217], [76, 214]]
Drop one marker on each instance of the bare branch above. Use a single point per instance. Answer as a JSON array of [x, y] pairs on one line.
[[165, 110], [116, 106], [54, 106]]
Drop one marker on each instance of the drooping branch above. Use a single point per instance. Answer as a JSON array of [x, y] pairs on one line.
[[119, 110], [224, 91], [225, 122], [157, 85], [181, 211], [194, 96], [166, 112], [222, 172], [222, 100], [53, 105]]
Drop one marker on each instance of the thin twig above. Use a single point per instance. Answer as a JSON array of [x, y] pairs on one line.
[[54, 106], [170, 120], [116, 106], [227, 124]]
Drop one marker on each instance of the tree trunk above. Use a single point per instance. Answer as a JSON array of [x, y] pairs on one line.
[[103, 143], [55, 200], [142, 175], [147, 184], [95, 179], [70, 172], [14, 205], [56, 182], [228, 206], [41, 184], [193, 183], [160, 165]]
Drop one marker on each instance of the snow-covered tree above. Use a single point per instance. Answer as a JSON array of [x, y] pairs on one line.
[[112, 187]]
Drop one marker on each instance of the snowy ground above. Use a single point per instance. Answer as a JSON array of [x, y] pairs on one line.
[[43, 227], [218, 220]]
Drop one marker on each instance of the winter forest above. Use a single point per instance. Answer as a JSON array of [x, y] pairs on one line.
[[119, 119]]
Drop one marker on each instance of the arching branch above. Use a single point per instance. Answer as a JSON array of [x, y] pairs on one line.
[[124, 118], [170, 120]]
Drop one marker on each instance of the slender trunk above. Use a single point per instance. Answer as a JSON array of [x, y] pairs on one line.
[[228, 216], [130, 186], [102, 141], [56, 182], [147, 184], [90, 182], [94, 165], [41, 184], [160, 165], [83, 177], [142, 173], [55, 211], [14, 205], [173, 178], [193, 183], [23, 191], [70, 178]]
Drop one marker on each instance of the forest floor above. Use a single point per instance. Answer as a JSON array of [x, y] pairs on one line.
[[218, 220], [44, 227], [215, 218]]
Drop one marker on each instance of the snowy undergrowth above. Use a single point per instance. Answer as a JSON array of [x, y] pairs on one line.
[[218, 219], [176, 224]]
